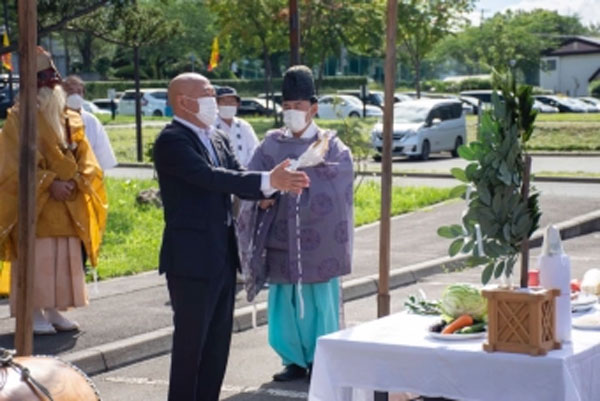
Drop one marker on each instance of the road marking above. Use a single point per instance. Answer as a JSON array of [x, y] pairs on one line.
[[303, 395]]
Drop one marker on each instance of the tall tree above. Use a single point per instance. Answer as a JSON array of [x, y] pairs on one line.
[[54, 15], [328, 25], [253, 28], [422, 24], [521, 36]]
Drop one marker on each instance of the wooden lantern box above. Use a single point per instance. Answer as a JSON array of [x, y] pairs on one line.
[[521, 321]]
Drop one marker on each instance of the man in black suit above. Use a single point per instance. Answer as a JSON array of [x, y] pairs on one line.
[[197, 173]]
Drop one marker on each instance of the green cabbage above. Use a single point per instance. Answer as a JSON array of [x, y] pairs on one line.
[[463, 299]]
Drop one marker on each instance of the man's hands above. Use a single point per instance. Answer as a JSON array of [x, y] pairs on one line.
[[62, 190], [284, 180], [266, 203]]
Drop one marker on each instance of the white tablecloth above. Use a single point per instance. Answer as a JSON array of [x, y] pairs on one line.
[[394, 354]]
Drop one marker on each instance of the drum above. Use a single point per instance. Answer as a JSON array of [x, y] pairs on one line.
[[44, 378]]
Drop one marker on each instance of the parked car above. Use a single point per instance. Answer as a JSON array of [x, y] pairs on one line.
[[401, 97], [424, 126], [274, 96], [589, 108], [254, 106], [470, 104], [342, 106], [561, 103], [373, 98], [591, 101], [544, 108], [5, 101], [154, 102], [105, 104], [92, 108]]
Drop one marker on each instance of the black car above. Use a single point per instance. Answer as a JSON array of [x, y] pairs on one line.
[[5, 101], [374, 98], [253, 106]]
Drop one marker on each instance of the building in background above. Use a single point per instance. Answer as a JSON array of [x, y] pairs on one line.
[[571, 67]]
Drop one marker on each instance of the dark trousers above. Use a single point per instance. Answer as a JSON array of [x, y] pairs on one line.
[[203, 319]]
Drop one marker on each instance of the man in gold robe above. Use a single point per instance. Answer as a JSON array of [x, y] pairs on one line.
[[70, 198]]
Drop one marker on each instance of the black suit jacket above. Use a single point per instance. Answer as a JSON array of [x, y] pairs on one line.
[[196, 197]]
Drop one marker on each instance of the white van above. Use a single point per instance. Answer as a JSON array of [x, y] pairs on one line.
[[424, 126]]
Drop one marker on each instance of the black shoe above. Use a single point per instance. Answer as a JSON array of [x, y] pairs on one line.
[[289, 373], [309, 372]]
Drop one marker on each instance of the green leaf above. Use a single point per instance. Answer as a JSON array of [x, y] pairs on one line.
[[487, 273], [499, 269], [457, 191], [506, 232], [459, 174], [522, 226], [484, 194], [457, 230], [446, 232], [476, 261], [455, 247], [471, 170], [497, 203], [468, 246], [466, 153]]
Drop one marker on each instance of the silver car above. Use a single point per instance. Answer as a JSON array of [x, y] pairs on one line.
[[424, 126]]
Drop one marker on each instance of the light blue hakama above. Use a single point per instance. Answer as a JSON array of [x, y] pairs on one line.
[[295, 338]]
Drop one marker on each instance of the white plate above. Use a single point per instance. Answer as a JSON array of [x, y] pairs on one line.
[[583, 302], [591, 321], [457, 337]]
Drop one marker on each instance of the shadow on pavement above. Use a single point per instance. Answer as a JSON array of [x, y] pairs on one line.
[[45, 344], [273, 391]]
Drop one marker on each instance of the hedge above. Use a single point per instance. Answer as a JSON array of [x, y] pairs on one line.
[[436, 85], [595, 89], [246, 87]]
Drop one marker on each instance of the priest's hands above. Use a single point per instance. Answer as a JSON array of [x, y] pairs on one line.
[[284, 180], [62, 190]]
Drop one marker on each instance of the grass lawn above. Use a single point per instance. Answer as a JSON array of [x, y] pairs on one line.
[[134, 232], [558, 132]]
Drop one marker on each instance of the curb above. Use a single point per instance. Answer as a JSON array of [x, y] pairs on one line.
[[119, 353], [135, 165], [536, 178]]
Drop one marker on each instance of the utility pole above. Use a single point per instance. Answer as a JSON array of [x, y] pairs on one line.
[[294, 33]]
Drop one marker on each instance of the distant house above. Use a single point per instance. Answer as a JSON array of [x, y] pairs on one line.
[[570, 68]]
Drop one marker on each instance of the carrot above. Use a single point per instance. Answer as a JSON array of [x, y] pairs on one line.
[[458, 323]]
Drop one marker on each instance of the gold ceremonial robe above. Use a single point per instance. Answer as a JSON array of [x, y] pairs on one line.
[[82, 216]]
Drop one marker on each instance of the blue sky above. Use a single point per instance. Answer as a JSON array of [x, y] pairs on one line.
[[588, 10]]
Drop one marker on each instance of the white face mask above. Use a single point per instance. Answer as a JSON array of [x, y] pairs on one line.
[[74, 101], [295, 120], [227, 112], [207, 110]]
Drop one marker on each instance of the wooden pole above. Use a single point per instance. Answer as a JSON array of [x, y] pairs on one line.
[[27, 173], [294, 33], [383, 296], [138, 104], [525, 242]]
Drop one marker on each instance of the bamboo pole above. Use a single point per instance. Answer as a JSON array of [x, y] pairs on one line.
[[383, 296], [27, 182]]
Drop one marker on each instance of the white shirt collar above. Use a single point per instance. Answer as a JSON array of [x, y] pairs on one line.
[[197, 130], [222, 122], [308, 133]]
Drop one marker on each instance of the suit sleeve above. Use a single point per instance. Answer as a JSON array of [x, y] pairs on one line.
[[175, 156]]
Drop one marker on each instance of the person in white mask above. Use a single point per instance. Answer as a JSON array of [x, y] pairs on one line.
[[197, 173], [94, 130], [241, 134]]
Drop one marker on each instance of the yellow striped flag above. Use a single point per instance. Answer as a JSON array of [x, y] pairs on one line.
[[214, 55], [6, 57]]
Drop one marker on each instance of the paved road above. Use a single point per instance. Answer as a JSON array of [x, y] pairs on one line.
[[443, 163], [437, 164], [252, 362]]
